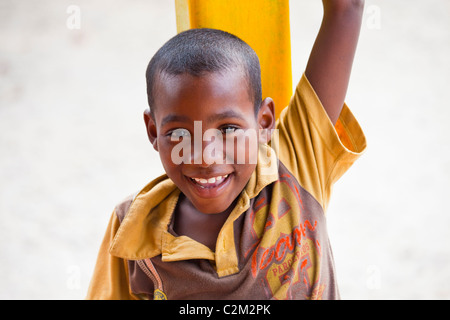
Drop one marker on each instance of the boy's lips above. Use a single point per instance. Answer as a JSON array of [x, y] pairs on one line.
[[210, 182], [209, 187]]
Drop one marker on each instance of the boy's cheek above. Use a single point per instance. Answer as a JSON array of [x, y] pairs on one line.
[[165, 156], [241, 149]]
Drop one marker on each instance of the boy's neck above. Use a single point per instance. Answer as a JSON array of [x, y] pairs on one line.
[[202, 227]]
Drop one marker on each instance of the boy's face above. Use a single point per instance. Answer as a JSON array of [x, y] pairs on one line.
[[196, 127]]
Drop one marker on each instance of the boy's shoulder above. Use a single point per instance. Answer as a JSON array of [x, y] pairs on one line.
[[316, 151], [122, 207]]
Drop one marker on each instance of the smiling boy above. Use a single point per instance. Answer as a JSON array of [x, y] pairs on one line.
[[214, 227]]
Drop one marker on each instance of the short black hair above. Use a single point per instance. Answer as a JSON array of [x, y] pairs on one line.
[[200, 51]]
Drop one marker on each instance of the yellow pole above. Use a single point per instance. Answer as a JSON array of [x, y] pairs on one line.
[[263, 24]]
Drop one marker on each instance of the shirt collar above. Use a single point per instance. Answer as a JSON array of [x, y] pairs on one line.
[[143, 232]]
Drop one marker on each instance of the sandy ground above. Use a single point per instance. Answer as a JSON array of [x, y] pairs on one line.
[[73, 144]]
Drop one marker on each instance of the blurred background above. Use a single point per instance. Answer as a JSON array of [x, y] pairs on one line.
[[73, 142]]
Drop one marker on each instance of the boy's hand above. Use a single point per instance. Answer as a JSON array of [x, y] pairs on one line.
[[331, 59]]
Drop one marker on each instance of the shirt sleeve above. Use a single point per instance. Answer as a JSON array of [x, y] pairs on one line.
[[110, 278], [314, 151]]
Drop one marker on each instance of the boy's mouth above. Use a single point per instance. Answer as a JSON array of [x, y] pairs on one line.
[[210, 182], [210, 187]]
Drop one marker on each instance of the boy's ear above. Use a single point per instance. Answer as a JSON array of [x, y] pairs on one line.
[[266, 119], [151, 128]]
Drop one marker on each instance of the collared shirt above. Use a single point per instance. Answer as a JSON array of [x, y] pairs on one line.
[[274, 244]]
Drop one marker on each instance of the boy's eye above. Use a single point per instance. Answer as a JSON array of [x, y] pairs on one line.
[[229, 129], [178, 133]]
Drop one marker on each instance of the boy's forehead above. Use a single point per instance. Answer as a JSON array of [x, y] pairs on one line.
[[231, 78], [228, 88]]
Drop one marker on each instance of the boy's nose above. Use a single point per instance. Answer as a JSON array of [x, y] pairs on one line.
[[209, 150]]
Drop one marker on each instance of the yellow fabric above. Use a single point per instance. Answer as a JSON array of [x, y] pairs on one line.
[[315, 151], [110, 278], [309, 146], [175, 249]]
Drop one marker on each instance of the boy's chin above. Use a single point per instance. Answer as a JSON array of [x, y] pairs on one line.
[[213, 208]]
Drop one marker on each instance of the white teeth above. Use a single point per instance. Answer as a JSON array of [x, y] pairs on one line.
[[210, 180]]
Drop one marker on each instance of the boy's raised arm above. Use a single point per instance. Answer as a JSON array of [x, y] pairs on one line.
[[330, 63]]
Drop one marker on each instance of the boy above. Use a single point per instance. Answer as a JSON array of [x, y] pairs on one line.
[[214, 226]]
